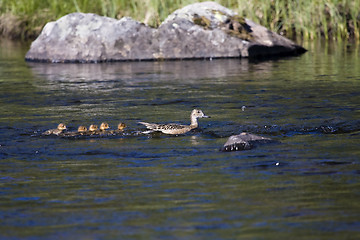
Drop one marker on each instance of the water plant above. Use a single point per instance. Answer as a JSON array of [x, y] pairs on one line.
[[306, 19]]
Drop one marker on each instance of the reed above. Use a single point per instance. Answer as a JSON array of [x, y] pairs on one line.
[[306, 19]]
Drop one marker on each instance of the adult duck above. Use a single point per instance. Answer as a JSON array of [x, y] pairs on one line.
[[173, 128]]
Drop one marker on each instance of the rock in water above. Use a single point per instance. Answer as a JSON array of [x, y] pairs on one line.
[[199, 30], [244, 141]]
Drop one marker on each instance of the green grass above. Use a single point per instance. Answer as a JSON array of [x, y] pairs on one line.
[[306, 19]]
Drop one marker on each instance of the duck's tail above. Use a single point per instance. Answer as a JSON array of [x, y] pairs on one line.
[[151, 126], [147, 132]]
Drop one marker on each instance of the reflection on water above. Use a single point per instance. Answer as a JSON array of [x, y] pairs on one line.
[[181, 187]]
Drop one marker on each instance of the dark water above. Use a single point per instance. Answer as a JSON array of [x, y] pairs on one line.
[[166, 187]]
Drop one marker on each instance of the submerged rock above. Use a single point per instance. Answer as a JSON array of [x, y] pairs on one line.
[[244, 141], [200, 30]]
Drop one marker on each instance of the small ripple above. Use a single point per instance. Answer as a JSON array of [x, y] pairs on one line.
[[311, 173], [331, 162], [27, 199], [187, 165]]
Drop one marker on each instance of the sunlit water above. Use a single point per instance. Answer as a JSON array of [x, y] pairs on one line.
[[182, 187]]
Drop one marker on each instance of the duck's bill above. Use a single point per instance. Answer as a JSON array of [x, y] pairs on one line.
[[206, 116]]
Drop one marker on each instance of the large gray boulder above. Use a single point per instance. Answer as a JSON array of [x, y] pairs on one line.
[[200, 30]]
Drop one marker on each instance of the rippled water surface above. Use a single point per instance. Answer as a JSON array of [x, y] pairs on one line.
[[307, 186]]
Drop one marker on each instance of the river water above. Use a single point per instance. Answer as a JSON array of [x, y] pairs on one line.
[[306, 186]]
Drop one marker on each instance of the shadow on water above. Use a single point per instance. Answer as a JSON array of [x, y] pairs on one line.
[[137, 186]]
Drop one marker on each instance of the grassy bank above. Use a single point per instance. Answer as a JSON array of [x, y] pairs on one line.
[[306, 19]]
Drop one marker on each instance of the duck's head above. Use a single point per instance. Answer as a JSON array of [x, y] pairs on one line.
[[104, 126], [121, 126], [82, 129], [197, 113], [93, 127], [61, 126]]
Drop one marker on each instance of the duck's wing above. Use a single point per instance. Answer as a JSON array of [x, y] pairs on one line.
[[171, 126], [160, 127], [174, 128]]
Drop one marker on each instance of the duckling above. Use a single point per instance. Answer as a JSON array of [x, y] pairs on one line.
[[104, 126], [173, 128], [80, 131], [60, 128], [120, 128], [92, 129]]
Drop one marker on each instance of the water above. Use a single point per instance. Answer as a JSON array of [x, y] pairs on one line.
[[182, 187]]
